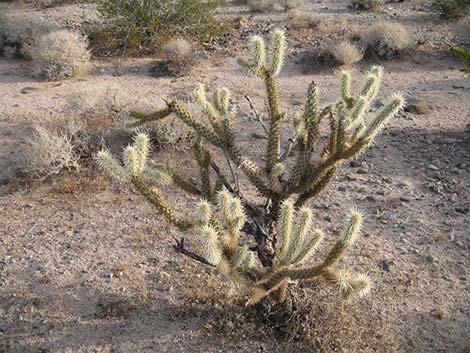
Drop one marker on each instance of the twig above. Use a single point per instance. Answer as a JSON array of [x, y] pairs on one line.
[[234, 176], [258, 117], [288, 150], [179, 247]]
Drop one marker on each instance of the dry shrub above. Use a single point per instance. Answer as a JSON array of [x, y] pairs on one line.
[[179, 57], [49, 153], [59, 55], [346, 53], [19, 32], [463, 29], [367, 4], [386, 39], [298, 19]]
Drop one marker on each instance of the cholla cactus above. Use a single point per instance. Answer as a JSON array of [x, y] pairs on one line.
[[292, 175]]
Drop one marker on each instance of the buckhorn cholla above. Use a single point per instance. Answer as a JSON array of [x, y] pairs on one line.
[[261, 248]]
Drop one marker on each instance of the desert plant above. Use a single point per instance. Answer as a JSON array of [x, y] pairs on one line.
[[386, 39], [59, 55], [290, 177], [463, 54], [18, 33], [179, 56], [367, 4], [50, 153], [452, 8], [346, 53], [143, 26]]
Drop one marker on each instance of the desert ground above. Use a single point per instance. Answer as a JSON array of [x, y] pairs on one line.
[[86, 265]]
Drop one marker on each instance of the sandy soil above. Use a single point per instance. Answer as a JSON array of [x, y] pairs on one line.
[[87, 266]]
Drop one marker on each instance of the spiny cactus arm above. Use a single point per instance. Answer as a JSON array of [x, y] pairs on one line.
[[346, 88], [311, 116], [257, 62], [285, 231], [183, 184], [348, 237], [278, 49], [371, 87], [318, 187], [208, 109], [204, 159], [255, 175], [158, 174], [347, 284], [221, 98], [299, 235], [234, 217], [143, 118], [274, 178], [308, 249], [205, 132], [260, 292], [142, 146], [156, 198], [110, 164], [212, 249]]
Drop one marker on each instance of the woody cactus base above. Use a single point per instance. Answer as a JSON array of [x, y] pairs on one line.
[[261, 248]]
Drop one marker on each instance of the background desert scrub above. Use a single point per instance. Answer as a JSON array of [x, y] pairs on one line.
[[346, 52], [179, 56], [452, 8], [280, 228], [367, 4], [386, 39], [143, 26], [18, 33], [50, 153], [59, 55]]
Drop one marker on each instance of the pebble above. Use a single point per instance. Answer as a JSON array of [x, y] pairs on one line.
[[433, 167]]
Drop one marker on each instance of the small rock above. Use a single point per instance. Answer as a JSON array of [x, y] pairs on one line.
[[433, 167], [355, 163], [385, 265]]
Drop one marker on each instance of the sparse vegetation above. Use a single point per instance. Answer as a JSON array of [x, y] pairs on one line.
[[50, 153], [144, 26], [179, 56], [59, 55], [386, 40], [282, 230], [463, 54], [452, 8], [19, 33], [346, 53], [367, 4]]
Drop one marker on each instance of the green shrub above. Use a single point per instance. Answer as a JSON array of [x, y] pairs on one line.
[[143, 26], [452, 8], [463, 54]]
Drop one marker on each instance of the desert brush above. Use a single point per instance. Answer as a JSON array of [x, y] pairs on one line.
[[261, 248]]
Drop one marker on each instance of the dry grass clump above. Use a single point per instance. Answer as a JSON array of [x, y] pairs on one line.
[[179, 57], [50, 153], [18, 33], [386, 39], [463, 29], [346, 52], [367, 4], [59, 55]]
